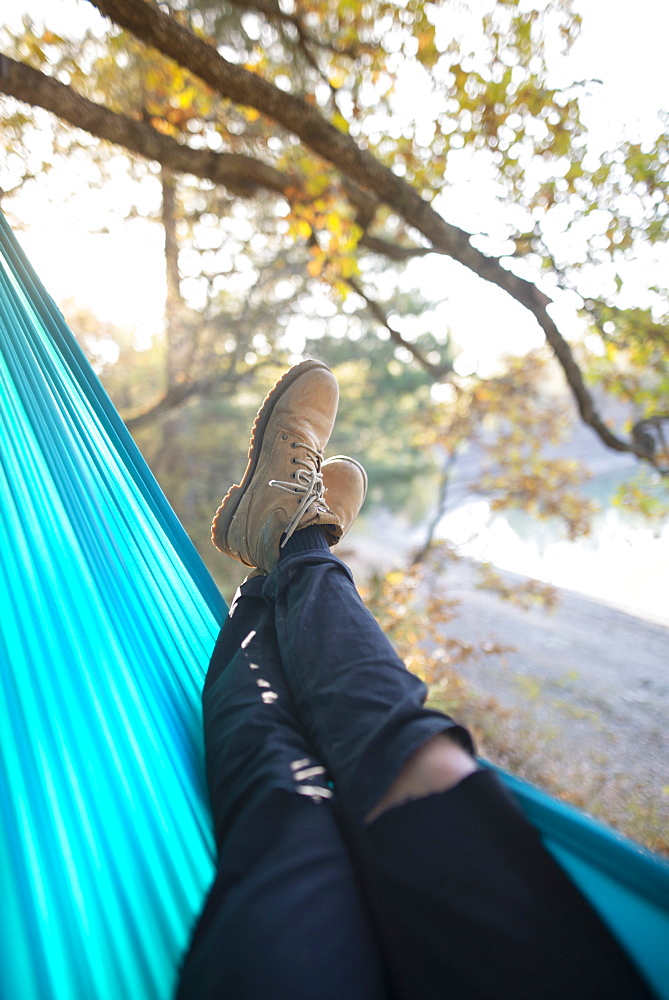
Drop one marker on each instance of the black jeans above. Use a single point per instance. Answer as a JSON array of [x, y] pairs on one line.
[[309, 716]]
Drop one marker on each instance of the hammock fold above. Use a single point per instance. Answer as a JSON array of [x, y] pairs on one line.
[[108, 620]]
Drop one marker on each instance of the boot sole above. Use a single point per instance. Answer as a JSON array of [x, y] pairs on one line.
[[232, 499]]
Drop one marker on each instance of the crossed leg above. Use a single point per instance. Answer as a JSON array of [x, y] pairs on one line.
[[284, 919]]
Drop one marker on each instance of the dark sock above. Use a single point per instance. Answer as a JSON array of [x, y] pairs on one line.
[[305, 540]]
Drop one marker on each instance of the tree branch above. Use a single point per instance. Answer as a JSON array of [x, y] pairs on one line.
[[440, 510], [438, 372], [177, 395], [393, 251], [241, 175], [272, 11], [149, 24], [180, 347]]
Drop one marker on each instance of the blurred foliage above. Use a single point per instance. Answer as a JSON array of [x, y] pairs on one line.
[[415, 618], [523, 593], [381, 401], [513, 421], [627, 355], [645, 495]]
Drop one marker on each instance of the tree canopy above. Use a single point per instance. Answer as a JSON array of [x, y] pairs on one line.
[[316, 149]]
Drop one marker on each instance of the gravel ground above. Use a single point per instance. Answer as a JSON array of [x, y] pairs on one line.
[[597, 676]]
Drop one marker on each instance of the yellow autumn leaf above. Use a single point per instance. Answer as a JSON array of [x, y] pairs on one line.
[[301, 228], [333, 222], [340, 122]]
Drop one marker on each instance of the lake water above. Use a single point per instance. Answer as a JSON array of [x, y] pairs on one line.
[[622, 562]]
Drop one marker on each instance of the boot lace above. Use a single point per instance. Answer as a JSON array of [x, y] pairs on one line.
[[307, 481]]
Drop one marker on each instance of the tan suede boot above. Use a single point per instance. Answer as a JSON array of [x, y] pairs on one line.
[[345, 488], [282, 487], [345, 483]]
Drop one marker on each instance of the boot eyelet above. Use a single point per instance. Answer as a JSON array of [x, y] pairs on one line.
[[293, 461], [284, 436], [293, 444]]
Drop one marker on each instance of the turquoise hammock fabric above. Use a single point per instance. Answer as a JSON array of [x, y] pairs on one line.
[[108, 619]]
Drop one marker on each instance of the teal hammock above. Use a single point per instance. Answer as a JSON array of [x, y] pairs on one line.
[[108, 620]]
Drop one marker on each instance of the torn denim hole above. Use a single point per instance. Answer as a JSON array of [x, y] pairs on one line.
[[315, 792], [309, 772], [247, 640]]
